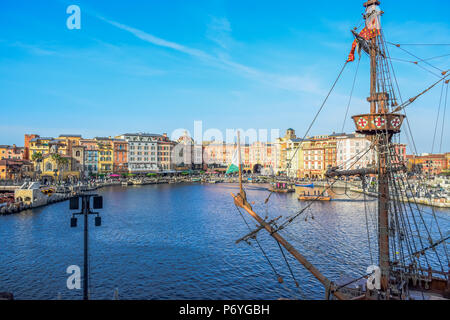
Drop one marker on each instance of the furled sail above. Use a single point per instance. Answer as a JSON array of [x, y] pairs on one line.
[[372, 17]]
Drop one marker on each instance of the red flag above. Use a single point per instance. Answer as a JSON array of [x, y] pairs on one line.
[[366, 34], [351, 56]]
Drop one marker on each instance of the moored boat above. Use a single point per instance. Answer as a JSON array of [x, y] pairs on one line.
[[281, 187]]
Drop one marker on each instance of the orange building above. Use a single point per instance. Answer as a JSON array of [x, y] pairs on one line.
[[120, 159], [28, 138], [430, 164], [399, 154], [11, 152], [15, 169], [165, 148]]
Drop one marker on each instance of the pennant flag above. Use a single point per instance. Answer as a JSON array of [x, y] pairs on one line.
[[366, 34], [351, 56], [234, 166]]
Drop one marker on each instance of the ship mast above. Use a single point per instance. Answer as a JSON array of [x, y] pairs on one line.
[[383, 139], [379, 126]]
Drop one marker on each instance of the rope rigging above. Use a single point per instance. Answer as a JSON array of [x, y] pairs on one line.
[[443, 117], [293, 217], [351, 94], [317, 114], [413, 55], [401, 222], [279, 278], [437, 117]]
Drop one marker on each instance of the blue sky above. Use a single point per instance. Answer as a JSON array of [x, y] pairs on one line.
[[158, 65]]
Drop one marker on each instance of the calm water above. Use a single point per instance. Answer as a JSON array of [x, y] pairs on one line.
[[178, 242]]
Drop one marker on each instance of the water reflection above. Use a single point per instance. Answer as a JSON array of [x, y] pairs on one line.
[[178, 242]]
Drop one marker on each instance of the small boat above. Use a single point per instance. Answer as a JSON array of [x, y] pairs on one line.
[[281, 187], [125, 183], [287, 190], [48, 191], [314, 197], [305, 185], [196, 179]]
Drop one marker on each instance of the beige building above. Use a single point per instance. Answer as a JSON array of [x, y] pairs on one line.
[[280, 147], [351, 152], [319, 154], [294, 158]]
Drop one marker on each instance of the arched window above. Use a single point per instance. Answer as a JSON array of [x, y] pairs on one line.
[[77, 154], [48, 167]]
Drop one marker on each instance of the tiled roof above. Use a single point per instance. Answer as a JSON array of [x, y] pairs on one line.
[[142, 134]]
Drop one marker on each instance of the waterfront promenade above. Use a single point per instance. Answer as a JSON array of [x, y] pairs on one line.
[[63, 192]]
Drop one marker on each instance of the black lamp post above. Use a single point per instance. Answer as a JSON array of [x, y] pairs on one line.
[[86, 211]]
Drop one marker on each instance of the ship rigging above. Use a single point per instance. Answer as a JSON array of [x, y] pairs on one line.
[[408, 265]]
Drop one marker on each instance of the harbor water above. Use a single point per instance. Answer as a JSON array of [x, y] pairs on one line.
[[177, 241]]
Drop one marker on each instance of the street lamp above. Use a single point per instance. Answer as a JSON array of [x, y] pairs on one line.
[[86, 211]]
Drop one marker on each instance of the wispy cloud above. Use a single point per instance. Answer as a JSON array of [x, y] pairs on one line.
[[219, 31], [33, 49], [293, 83], [157, 41]]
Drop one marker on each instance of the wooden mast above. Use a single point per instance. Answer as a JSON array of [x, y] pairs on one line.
[[383, 138], [241, 190]]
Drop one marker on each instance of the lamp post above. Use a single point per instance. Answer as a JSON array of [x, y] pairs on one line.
[[86, 211]]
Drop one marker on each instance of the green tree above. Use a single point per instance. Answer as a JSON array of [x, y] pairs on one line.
[[61, 163], [37, 158]]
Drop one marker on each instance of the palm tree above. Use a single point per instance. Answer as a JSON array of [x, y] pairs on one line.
[[63, 164], [37, 157], [60, 163]]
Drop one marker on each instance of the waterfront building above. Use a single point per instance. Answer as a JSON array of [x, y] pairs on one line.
[[120, 152], [280, 151], [294, 158], [40, 145], [430, 164], [11, 169], [256, 157], [319, 154], [260, 156], [188, 154], [56, 164], [215, 154], [28, 138], [447, 167], [351, 150], [105, 155], [165, 150], [399, 156], [12, 152], [90, 157], [58, 167], [69, 140], [78, 157], [142, 152]]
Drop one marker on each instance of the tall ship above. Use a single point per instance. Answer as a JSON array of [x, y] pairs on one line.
[[412, 260]]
